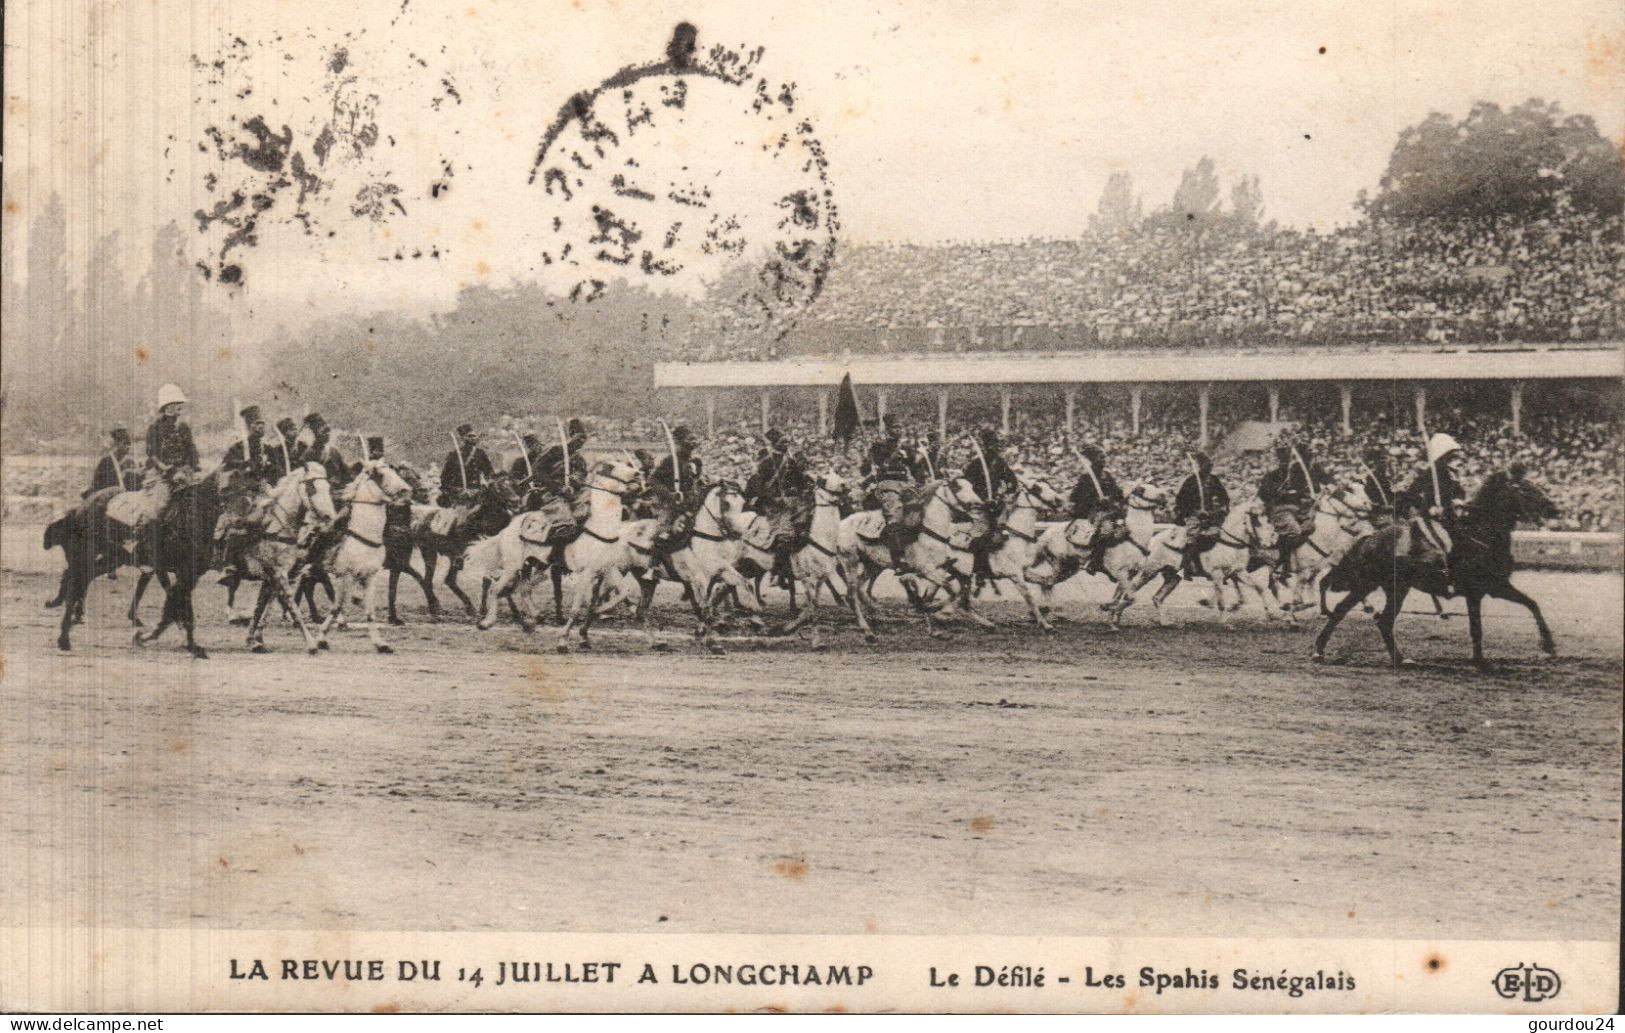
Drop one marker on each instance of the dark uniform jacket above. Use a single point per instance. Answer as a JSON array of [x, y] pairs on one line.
[[107, 475], [1288, 487], [1378, 489], [475, 462], [997, 470], [777, 477], [686, 479], [1207, 495], [170, 445], [550, 471], [1086, 498], [338, 471], [888, 460], [276, 460], [256, 466], [1417, 496]]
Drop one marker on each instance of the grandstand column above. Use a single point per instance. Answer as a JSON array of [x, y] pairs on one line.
[[767, 410], [1204, 396], [880, 404], [1004, 410], [711, 416], [942, 413], [1136, 395], [823, 414], [1275, 403], [1517, 407], [1419, 398], [1071, 406], [1345, 395]]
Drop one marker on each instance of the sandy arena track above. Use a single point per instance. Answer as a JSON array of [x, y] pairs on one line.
[[1158, 781]]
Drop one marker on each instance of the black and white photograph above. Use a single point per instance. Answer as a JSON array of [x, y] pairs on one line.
[[592, 505]]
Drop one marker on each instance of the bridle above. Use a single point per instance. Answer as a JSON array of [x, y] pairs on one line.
[[307, 488], [1345, 514], [716, 517], [1253, 541]]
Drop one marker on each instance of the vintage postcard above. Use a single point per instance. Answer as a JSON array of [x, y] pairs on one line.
[[596, 505]]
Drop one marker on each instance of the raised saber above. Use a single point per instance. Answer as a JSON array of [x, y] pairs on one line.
[[530, 474], [676, 465], [987, 475], [564, 443], [462, 468]]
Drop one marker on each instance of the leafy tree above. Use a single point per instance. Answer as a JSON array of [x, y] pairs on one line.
[[1119, 207], [1493, 162], [1197, 198], [1247, 201]]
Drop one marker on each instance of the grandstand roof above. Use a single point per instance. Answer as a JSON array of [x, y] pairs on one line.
[[1501, 362]]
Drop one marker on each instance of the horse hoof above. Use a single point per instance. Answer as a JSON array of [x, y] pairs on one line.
[[871, 638], [562, 649], [386, 650], [259, 647], [585, 646], [199, 653], [396, 622], [53, 604], [66, 646], [661, 647], [238, 622], [718, 651], [137, 639], [312, 650], [321, 645], [1318, 657], [135, 622]]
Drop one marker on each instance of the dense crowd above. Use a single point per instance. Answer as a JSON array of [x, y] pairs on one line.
[[1549, 279]]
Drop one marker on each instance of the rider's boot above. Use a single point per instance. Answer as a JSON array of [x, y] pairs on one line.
[[898, 547]]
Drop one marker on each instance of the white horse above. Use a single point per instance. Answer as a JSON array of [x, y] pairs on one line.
[[1123, 561], [606, 551], [1341, 517], [298, 501], [358, 557], [1019, 522], [816, 563], [939, 557], [1246, 532]]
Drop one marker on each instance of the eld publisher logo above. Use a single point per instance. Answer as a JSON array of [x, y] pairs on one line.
[[1530, 982]]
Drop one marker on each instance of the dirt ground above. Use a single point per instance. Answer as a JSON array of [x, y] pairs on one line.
[[1184, 780]]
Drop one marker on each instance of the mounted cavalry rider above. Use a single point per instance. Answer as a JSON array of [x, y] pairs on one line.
[[556, 478], [251, 473], [1435, 499], [1379, 486], [892, 471], [1289, 491], [1201, 505], [562, 469], [522, 471], [117, 468], [279, 449], [466, 468], [1097, 499], [781, 490], [315, 445], [172, 459], [674, 490], [993, 481]]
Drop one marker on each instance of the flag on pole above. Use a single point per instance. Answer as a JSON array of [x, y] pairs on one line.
[[848, 418]]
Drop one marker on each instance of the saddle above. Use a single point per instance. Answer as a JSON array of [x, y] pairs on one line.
[[130, 508]]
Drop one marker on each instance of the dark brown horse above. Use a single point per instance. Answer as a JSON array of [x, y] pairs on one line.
[[486, 513], [1399, 558], [178, 546]]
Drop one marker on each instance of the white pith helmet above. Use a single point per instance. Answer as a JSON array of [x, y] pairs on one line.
[[1441, 445], [169, 394]]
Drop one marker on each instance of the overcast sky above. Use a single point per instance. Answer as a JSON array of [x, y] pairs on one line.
[[940, 120]]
